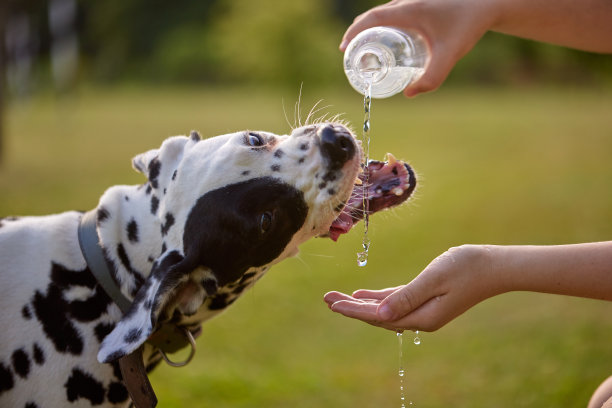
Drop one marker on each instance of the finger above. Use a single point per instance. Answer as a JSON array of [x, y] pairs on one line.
[[332, 297], [409, 297], [374, 294], [436, 71], [357, 310], [384, 14]]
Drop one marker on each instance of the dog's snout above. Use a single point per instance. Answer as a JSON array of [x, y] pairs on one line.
[[337, 145]]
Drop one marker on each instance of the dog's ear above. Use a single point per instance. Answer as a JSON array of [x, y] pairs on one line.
[[168, 285], [159, 164]]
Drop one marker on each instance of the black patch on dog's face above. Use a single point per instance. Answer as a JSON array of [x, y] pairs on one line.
[[243, 225]]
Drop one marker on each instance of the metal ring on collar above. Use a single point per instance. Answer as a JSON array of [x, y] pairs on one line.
[[192, 343]]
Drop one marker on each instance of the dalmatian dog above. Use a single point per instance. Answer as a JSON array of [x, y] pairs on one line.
[[213, 216]]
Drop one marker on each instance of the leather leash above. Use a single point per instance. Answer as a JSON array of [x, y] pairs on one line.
[[167, 339]]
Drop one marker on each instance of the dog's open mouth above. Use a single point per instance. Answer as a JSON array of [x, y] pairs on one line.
[[390, 183]]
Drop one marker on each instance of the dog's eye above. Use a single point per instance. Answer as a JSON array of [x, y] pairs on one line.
[[265, 222], [255, 140]]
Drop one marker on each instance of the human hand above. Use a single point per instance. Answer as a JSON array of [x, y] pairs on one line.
[[451, 284], [450, 28]]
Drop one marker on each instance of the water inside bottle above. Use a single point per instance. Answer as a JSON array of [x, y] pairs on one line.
[[362, 257]]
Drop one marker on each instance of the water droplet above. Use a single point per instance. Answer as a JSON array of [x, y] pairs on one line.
[[362, 258], [417, 340], [366, 126]]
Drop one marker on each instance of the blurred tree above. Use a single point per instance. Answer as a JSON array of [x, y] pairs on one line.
[[276, 42]]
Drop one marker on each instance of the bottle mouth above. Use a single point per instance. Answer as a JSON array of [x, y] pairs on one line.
[[371, 65]]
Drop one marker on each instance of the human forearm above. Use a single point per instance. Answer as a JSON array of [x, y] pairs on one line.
[[583, 270], [581, 24]]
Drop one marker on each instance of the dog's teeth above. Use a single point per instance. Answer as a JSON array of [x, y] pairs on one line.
[[358, 181], [398, 191], [391, 159]]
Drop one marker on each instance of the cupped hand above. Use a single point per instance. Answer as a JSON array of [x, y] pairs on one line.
[[451, 284]]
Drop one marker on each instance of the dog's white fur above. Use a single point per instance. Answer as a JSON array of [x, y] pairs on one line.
[[185, 169]]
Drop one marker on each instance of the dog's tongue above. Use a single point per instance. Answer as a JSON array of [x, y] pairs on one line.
[[389, 184]]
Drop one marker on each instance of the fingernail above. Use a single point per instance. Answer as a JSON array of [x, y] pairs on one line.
[[385, 312], [343, 45]]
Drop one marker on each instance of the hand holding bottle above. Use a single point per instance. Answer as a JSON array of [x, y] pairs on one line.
[[451, 28]]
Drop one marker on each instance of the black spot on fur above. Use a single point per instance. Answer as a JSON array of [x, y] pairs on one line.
[[21, 363], [133, 335], [154, 204], [115, 355], [53, 311], [102, 215], [302, 160], [220, 301], [275, 167], [6, 378], [91, 308], [25, 312], [322, 185], [210, 286], [154, 170], [117, 393], [64, 278], [247, 276], [83, 385], [164, 247], [246, 173], [330, 176], [331, 191], [195, 136], [125, 261], [168, 224], [102, 330], [31, 405], [279, 153], [127, 198], [340, 206], [149, 189], [39, 355], [174, 175], [132, 231]]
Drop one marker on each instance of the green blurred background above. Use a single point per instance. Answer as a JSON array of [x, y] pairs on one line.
[[513, 149]]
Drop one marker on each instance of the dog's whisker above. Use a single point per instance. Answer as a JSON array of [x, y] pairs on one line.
[[285, 114]]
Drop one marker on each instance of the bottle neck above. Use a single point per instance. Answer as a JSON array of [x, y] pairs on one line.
[[372, 64]]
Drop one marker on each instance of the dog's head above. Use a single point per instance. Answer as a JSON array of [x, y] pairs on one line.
[[229, 207]]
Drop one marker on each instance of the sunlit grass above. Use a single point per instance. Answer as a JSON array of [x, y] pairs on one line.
[[496, 166]]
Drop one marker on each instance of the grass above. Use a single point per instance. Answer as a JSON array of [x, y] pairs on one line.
[[528, 166]]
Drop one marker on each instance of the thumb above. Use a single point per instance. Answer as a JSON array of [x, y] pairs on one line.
[[400, 303]]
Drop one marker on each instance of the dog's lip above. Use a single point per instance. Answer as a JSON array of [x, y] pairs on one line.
[[390, 184]]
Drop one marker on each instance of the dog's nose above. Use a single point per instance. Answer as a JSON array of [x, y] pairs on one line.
[[337, 145]]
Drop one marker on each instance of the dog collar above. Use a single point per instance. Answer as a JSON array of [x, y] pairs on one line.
[[167, 339], [94, 256]]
